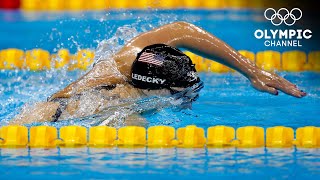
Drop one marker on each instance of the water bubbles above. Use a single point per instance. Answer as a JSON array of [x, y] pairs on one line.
[[76, 33], [88, 31], [75, 43]]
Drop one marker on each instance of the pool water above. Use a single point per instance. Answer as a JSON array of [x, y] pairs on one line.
[[95, 163], [227, 99]]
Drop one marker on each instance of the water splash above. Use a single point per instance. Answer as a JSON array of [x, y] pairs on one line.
[[88, 30], [108, 47], [116, 115]]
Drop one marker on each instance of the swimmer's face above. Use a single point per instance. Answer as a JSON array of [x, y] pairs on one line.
[[163, 92], [160, 92], [187, 96]]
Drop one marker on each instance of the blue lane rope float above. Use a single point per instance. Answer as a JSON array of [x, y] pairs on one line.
[[39, 60], [159, 137]]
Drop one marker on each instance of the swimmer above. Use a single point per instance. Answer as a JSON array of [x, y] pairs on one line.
[[150, 64]]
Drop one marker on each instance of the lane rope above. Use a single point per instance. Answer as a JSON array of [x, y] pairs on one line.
[[160, 137]]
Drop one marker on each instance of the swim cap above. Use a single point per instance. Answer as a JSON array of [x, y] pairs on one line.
[[161, 66]]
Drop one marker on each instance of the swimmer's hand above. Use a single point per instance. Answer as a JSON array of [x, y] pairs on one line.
[[271, 83]]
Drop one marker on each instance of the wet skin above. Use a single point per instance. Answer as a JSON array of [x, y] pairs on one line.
[[180, 35]]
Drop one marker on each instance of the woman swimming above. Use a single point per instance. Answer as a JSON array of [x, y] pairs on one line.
[[151, 64]]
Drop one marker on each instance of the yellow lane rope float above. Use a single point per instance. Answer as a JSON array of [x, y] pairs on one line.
[[159, 137], [38, 60], [80, 5]]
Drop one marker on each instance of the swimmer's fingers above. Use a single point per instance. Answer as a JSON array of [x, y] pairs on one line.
[[263, 87], [269, 82], [271, 90], [287, 87]]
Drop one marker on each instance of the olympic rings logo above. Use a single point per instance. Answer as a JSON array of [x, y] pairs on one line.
[[283, 18]]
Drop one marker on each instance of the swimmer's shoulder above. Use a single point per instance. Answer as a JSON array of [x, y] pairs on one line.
[[125, 58]]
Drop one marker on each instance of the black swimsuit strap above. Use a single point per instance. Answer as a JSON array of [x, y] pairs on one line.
[[62, 106], [63, 102]]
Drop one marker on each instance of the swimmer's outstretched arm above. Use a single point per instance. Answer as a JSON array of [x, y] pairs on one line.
[[191, 37], [199, 41]]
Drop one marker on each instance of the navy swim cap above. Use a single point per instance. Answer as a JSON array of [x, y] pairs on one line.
[[161, 66]]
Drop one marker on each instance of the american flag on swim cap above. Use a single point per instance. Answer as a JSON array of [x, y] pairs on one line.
[[151, 58]]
